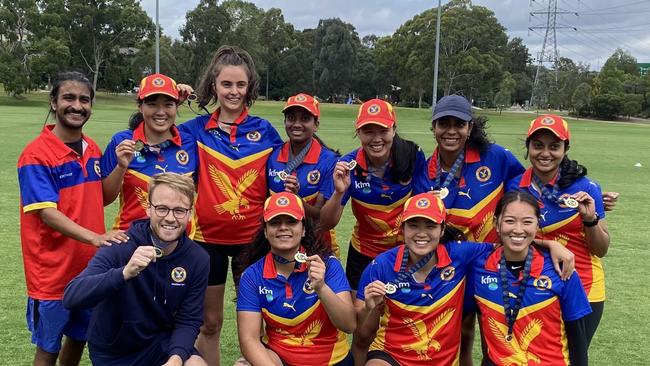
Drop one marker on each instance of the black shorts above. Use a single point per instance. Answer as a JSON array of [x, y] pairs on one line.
[[219, 254], [381, 355], [354, 267]]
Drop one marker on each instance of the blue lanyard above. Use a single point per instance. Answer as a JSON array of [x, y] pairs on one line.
[[511, 312], [452, 172], [298, 159], [551, 196], [403, 274]]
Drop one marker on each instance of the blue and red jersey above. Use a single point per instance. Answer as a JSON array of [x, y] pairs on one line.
[[231, 176], [564, 224], [298, 328], [314, 174], [176, 155], [538, 335], [473, 197], [52, 175], [421, 322], [377, 204]]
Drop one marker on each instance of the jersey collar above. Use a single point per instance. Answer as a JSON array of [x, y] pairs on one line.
[[58, 147], [471, 156], [138, 134], [492, 263], [441, 252], [527, 179], [269, 270], [214, 118], [312, 155]]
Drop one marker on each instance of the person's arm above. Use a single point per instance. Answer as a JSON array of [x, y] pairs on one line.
[[332, 210], [122, 155], [597, 236], [248, 330], [564, 261], [337, 305], [189, 316], [367, 309], [55, 219]]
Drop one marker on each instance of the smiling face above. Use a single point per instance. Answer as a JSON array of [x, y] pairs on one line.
[[159, 113], [517, 226], [284, 234], [300, 125], [72, 106], [169, 228], [231, 86], [545, 152], [451, 133], [421, 236], [376, 140]]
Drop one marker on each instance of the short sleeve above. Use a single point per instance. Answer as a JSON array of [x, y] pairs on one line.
[[38, 185], [512, 168], [369, 275], [597, 194], [108, 161], [573, 299], [513, 184], [420, 179], [335, 276], [326, 181], [328, 187], [247, 294]]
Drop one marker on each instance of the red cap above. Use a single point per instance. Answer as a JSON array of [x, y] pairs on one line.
[[157, 84], [553, 123], [376, 111], [305, 101], [426, 205], [283, 203]]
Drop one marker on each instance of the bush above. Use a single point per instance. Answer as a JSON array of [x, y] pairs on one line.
[[607, 105]]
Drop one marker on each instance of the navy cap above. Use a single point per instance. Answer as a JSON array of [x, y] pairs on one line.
[[453, 105]]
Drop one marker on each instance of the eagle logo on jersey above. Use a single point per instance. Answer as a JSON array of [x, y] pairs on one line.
[[518, 346], [179, 274], [143, 197], [97, 169], [234, 195], [447, 273], [304, 339], [182, 157], [425, 334], [543, 283], [483, 173], [253, 136], [562, 239], [313, 177], [390, 234]]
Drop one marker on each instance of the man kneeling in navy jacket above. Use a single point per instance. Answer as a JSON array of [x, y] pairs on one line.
[[148, 293]]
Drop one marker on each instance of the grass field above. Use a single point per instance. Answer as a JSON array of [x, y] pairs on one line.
[[609, 150]]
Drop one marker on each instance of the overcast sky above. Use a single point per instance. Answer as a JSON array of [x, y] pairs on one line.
[[602, 25]]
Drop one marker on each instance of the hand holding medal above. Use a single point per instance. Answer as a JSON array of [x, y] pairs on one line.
[[374, 294], [586, 205], [316, 269], [125, 151], [141, 258], [341, 176]]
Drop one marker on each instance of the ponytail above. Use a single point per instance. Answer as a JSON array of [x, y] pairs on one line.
[[571, 171], [135, 120], [404, 154]]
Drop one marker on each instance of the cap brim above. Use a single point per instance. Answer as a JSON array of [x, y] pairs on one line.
[[385, 124], [413, 216], [457, 114], [270, 215], [300, 106], [145, 95], [557, 134]]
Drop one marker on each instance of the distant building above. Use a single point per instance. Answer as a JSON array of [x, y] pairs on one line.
[[644, 68]]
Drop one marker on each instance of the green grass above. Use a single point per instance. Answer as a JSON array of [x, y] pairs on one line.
[[609, 150]]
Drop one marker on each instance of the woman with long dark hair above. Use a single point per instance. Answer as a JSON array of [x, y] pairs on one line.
[[297, 289]]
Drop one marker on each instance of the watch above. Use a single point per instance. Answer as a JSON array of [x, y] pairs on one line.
[[592, 223]]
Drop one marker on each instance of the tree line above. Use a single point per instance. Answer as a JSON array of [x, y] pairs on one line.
[[113, 42]]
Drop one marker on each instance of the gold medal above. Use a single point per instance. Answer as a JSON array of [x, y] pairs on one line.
[[571, 202], [159, 252], [139, 145], [192, 97], [352, 164], [390, 288], [443, 193], [283, 175], [300, 257]]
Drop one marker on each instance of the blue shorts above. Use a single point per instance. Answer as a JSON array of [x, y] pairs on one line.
[[49, 320]]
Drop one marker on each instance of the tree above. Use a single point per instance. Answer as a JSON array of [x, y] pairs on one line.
[[16, 19], [607, 105], [335, 56], [517, 56], [581, 99], [504, 95], [623, 61], [631, 105]]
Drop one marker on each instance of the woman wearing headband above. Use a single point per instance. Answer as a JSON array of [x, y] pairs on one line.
[[297, 289]]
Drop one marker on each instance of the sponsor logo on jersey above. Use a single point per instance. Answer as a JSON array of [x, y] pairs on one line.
[[486, 280]]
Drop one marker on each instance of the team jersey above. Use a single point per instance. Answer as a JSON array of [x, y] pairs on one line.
[[473, 198], [298, 328], [538, 335], [377, 204], [51, 175], [313, 175], [564, 224], [421, 322], [231, 177], [176, 155]]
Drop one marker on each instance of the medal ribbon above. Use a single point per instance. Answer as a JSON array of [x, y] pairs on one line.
[[283, 260], [403, 275], [298, 159], [452, 172], [551, 196], [511, 312]]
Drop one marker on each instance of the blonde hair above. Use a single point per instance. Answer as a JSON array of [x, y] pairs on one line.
[[182, 184]]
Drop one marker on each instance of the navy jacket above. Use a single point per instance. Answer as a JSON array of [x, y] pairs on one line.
[[164, 300]]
